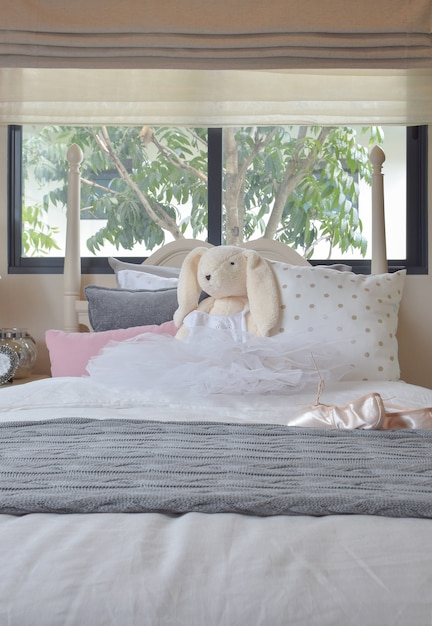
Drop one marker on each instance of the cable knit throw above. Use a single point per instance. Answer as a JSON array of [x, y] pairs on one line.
[[84, 465]]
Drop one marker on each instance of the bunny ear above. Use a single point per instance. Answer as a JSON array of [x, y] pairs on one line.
[[263, 293], [188, 289]]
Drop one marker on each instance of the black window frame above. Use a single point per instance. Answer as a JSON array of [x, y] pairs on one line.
[[416, 261]]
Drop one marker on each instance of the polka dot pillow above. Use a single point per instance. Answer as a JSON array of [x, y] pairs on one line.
[[358, 310]]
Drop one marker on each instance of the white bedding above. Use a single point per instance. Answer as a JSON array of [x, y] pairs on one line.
[[214, 570], [197, 569], [82, 397]]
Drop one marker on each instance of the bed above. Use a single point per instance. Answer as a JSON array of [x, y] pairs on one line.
[[125, 505]]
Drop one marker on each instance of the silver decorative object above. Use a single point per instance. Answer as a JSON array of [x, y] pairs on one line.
[[9, 361], [23, 344]]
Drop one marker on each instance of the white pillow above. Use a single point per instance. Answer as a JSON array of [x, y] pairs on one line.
[[130, 279], [158, 270], [358, 310]]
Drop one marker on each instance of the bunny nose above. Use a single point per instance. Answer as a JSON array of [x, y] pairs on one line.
[[208, 276]]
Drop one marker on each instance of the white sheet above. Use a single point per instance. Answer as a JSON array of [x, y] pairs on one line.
[[64, 397], [212, 570]]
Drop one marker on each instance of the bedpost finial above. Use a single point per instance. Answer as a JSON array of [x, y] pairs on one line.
[[377, 158], [74, 155]]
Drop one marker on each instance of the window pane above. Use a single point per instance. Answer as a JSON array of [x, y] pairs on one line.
[[141, 188], [310, 188]]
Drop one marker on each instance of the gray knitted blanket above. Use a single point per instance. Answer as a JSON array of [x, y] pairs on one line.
[[83, 465]]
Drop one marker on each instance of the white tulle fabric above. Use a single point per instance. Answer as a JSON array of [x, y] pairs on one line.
[[216, 362]]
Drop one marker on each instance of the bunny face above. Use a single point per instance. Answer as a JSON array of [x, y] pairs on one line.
[[223, 275]]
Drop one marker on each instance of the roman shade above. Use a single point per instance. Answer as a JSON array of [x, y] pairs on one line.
[[215, 98], [201, 34], [197, 62]]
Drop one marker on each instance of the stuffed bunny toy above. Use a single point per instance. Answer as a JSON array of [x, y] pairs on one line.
[[236, 280]]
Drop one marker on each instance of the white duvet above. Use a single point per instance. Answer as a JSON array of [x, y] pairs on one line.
[[208, 570], [81, 397]]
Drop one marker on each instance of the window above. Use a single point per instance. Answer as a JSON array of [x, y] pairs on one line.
[[143, 186]]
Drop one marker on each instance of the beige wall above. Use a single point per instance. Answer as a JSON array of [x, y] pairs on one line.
[[35, 301]]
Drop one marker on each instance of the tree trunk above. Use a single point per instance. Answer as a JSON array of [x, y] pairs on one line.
[[233, 194]]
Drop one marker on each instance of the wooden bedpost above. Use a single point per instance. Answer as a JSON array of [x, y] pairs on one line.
[[379, 263], [72, 266]]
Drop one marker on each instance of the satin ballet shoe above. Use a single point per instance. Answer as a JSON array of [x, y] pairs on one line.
[[404, 417], [367, 412]]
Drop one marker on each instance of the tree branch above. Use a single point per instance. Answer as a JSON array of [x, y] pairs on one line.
[[91, 183], [294, 173], [175, 160], [163, 220], [259, 145]]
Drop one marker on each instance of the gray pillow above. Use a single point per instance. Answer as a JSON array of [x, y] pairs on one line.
[[157, 270], [110, 309]]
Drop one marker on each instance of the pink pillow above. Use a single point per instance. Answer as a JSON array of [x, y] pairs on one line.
[[70, 352]]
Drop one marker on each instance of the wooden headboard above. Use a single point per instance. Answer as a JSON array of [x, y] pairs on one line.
[[172, 254]]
